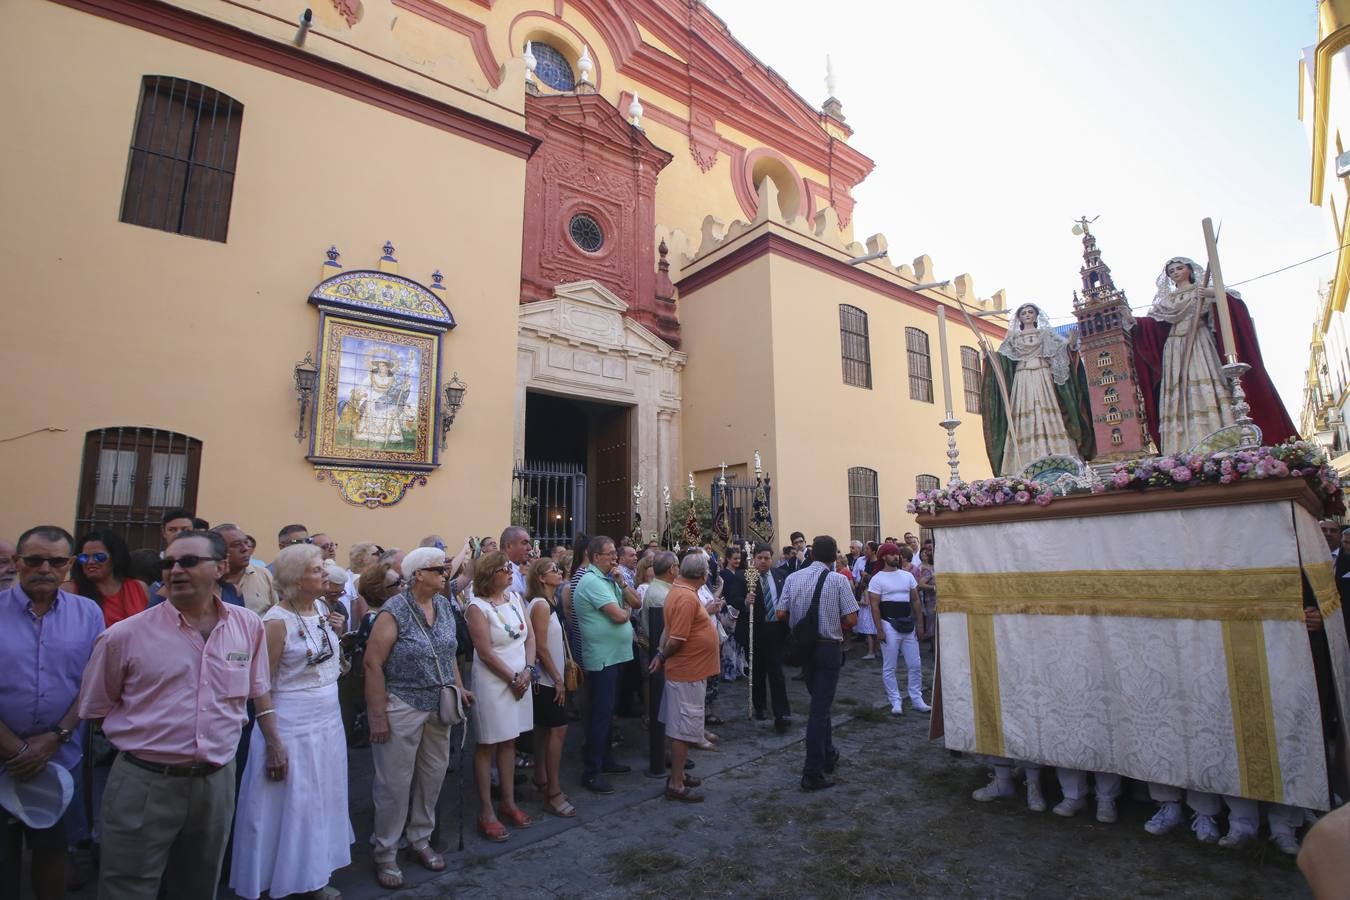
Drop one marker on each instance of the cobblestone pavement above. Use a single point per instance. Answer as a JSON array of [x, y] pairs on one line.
[[900, 820]]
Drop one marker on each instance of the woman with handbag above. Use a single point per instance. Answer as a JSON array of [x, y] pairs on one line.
[[503, 672], [272, 854], [552, 688], [893, 596], [413, 699]]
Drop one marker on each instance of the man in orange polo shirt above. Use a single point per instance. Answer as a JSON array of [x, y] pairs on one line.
[[689, 654]]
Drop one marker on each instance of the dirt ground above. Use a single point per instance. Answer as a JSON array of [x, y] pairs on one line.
[[900, 820]]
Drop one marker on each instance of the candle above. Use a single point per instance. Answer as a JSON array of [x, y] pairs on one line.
[[1220, 294], [946, 366]]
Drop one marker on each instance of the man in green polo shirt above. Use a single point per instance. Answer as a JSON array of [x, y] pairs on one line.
[[604, 616]]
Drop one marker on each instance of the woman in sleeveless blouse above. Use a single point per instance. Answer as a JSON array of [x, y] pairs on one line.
[[502, 674]]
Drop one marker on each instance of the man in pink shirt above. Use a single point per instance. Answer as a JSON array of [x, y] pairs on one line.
[[171, 686]]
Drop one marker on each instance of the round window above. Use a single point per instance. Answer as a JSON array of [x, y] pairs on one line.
[[586, 232]]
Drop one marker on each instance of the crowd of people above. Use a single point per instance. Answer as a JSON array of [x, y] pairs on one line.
[[199, 710]]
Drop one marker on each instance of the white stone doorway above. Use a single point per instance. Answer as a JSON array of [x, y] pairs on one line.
[[580, 345]]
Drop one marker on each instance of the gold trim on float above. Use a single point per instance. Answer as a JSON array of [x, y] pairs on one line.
[[1258, 758], [1231, 595], [986, 700], [1323, 582]]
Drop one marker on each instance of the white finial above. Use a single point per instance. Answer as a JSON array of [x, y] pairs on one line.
[[759, 467], [829, 77], [584, 64], [691, 487], [635, 111], [530, 62]]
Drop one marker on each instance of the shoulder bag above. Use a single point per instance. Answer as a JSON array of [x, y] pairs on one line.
[[802, 639], [451, 708]]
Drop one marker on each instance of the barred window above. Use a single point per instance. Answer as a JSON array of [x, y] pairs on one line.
[[180, 176], [864, 505], [131, 476], [1104, 358], [854, 347], [924, 483], [1116, 436], [1108, 377], [920, 365], [970, 377], [1113, 415]]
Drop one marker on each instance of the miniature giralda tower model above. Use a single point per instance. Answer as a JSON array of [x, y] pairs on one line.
[[1106, 345]]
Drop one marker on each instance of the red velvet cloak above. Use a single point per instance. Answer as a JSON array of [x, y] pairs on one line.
[[1268, 410]]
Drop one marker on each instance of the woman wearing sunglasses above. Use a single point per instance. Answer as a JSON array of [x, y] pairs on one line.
[[102, 572]]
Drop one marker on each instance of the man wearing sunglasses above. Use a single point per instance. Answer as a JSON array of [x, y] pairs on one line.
[[46, 636], [171, 686]]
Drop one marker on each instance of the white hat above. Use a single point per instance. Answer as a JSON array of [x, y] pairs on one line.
[[39, 801]]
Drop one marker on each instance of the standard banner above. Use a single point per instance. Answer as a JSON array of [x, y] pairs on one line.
[[1167, 645]]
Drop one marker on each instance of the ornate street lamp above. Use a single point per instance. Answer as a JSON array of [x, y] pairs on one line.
[[306, 374], [454, 399]]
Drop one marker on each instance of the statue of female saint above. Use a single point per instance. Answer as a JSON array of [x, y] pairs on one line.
[[1187, 399], [1193, 396], [1047, 392]]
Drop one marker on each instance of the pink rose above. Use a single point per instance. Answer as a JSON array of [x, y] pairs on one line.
[[1167, 463], [1180, 474], [1043, 499], [1022, 497], [1098, 487]]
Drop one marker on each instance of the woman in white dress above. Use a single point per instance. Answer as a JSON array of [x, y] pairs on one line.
[[503, 646], [1040, 357], [291, 835], [1193, 397]]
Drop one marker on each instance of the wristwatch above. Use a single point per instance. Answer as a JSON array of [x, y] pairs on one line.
[[62, 734]]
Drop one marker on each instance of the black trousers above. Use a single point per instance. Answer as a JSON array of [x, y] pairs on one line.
[[770, 639]]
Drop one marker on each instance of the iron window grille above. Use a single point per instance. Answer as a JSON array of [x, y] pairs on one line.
[[970, 378], [864, 505], [854, 346], [920, 365]]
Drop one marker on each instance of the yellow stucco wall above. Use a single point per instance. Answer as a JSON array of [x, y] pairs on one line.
[[112, 324], [809, 425]]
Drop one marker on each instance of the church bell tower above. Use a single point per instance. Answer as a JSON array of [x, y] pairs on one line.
[[1106, 345]]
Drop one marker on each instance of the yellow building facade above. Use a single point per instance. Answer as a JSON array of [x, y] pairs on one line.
[[627, 236], [1324, 108]]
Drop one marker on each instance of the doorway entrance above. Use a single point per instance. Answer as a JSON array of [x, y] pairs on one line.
[[576, 474]]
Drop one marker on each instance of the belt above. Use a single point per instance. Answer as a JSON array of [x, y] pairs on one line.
[[196, 770]]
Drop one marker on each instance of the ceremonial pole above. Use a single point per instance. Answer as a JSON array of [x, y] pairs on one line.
[[992, 359], [1233, 369], [950, 422]]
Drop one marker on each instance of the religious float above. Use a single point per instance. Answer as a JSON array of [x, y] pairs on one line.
[[1139, 613]]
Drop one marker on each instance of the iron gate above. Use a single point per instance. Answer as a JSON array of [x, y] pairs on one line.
[[549, 498]]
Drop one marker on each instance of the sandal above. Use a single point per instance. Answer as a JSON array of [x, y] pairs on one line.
[[541, 789], [710, 737], [427, 858], [515, 815], [560, 806], [388, 876], [493, 831]]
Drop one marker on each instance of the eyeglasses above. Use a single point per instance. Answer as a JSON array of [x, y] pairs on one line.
[[505, 570], [439, 570], [35, 562], [85, 559], [292, 543], [379, 551], [190, 561]]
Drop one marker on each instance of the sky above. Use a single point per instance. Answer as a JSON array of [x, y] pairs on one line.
[[994, 125]]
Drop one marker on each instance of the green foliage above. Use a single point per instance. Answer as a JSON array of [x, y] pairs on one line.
[[679, 509], [522, 509]]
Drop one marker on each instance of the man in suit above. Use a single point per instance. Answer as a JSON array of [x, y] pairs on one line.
[[799, 558], [770, 637]]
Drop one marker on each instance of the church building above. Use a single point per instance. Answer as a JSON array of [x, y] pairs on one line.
[[400, 267]]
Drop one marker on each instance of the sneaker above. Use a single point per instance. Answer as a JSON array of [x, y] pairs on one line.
[[597, 784], [1285, 841], [1165, 819], [920, 706], [1106, 810], [994, 790], [869, 656], [615, 768], [816, 782], [1068, 808], [1206, 829], [1035, 800], [1238, 837]]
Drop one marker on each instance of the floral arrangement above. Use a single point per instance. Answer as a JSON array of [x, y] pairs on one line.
[[1293, 459]]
